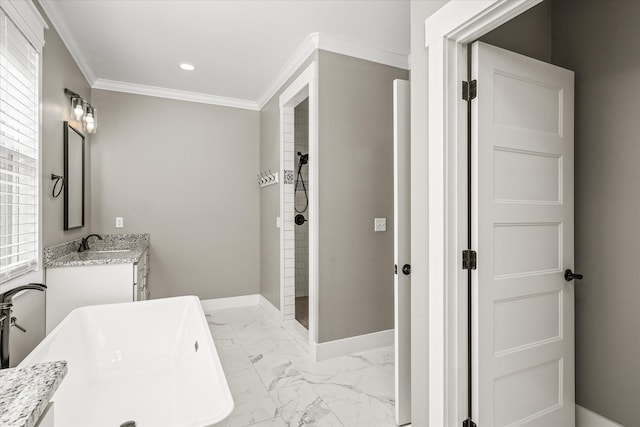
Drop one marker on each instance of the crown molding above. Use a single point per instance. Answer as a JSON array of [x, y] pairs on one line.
[[367, 53], [311, 43], [306, 48], [180, 95], [316, 41], [55, 15]]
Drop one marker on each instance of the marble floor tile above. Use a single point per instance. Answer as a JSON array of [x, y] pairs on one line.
[[379, 357], [293, 350], [227, 344], [274, 383], [272, 364], [273, 422], [222, 331], [363, 397], [252, 402], [300, 405], [234, 361], [318, 372]]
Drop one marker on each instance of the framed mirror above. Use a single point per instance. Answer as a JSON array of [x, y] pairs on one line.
[[73, 178]]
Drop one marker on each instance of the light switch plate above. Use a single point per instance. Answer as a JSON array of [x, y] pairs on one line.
[[278, 222], [380, 224], [119, 222]]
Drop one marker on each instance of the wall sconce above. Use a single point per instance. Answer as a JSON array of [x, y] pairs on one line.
[[81, 110]]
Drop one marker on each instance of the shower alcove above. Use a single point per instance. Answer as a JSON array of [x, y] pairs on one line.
[[299, 207]]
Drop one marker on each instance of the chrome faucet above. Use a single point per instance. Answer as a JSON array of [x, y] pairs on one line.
[[6, 303], [84, 245]]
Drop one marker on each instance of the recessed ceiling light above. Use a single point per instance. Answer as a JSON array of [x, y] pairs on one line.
[[187, 67]]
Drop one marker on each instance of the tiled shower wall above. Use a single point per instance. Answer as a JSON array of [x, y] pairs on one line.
[[301, 126], [288, 297]]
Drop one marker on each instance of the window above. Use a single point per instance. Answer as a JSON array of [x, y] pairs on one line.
[[19, 152]]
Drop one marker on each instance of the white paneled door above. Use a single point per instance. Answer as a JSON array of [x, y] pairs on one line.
[[402, 249], [522, 222]]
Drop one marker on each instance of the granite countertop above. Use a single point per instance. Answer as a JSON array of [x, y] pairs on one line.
[[113, 249], [25, 392], [91, 257]]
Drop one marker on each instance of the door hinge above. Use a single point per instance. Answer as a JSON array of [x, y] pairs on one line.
[[469, 90], [469, 259], [468, 423]]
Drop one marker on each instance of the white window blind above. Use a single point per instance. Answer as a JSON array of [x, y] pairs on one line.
[[19, 146]]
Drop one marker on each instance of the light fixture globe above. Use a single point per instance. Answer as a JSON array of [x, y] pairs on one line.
[[91, 120], [77, 108]]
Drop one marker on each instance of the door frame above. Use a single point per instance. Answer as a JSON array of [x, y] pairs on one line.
[[305, 85], [447, 32]]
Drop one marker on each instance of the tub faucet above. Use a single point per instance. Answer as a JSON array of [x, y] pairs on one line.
[[84, 245], [6, 302]]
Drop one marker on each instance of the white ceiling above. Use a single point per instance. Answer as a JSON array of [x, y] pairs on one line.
[[240, 47]]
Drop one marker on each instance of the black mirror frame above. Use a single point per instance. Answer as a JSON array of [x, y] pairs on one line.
[[66, 127]]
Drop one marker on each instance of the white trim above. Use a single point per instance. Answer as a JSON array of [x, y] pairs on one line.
[[446, 31], [587, 418], [306, 48], [465, 21], [55, 15], [357, 344], [291, 94], [325, 42], [180, 95], [28, 20], [314, 213], [271, 309], [230, 302], [311, 43], [305, 85], [380, 56]]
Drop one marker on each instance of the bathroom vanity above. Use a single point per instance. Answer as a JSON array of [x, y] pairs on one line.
[[113, 270]]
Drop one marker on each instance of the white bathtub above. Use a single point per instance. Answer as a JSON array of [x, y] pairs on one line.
[[153, 362]]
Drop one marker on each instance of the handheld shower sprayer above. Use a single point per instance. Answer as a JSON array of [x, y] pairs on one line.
[[304, 158]]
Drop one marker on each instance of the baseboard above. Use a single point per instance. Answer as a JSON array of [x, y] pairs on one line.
[[587, 418], [345, 346], [271, 309], [230, 302]]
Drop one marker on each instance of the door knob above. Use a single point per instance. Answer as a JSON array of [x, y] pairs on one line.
[[570, 275], [406, 269]]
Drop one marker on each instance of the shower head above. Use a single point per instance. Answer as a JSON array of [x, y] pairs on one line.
[[304, 158]]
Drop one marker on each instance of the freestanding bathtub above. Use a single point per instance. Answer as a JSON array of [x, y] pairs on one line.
[[152, 362]]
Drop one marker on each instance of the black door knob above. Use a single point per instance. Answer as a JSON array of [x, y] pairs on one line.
[[570, 275], [406, 269]]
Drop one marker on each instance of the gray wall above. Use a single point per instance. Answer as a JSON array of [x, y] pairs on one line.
[[598, 40], [528, 33], [270, 196], [185, 173], [59, 72], [356, 186], [420, 10]]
